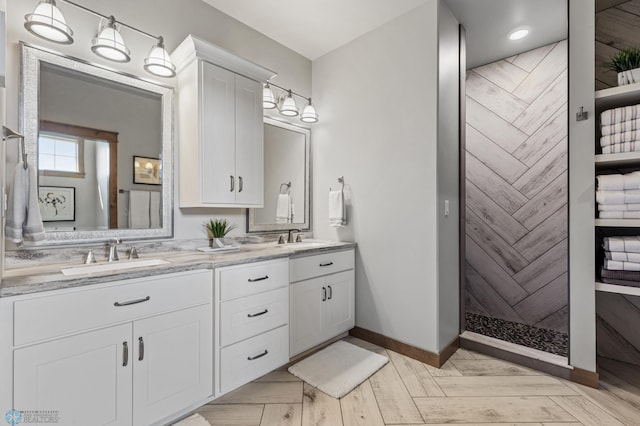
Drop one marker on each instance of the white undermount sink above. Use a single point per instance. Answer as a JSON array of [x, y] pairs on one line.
[[305, 244], [112, 266]]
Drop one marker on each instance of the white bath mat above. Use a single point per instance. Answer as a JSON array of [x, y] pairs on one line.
[[338, 368], [193, 420]]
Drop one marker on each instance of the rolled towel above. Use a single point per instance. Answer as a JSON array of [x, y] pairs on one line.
[[619, 215], [619, 115], [622, 256], [629, 196], [631, 136], [618, 207], [619, 148], [622, 244], [614, 265], [622, 127], [619, 181]]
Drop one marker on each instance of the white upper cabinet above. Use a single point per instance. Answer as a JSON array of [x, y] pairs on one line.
[[221, 127]]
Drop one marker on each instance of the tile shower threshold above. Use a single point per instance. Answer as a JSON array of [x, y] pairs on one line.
[[558, 360]]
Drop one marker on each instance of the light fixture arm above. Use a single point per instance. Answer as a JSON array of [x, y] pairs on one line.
[[289, 91], [110, 17]]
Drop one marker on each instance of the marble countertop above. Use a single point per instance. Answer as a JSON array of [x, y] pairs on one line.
[[35, 279]]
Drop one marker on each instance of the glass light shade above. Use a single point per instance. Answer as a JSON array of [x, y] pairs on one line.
[[288, 108], [309, 114], [109, 44], [268, 99], [159, 62], [47, 22]]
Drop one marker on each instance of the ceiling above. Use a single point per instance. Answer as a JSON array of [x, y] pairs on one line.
[[488, 22], [313, 28]]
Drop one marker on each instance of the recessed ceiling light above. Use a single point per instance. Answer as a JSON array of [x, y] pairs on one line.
[[518, 33]]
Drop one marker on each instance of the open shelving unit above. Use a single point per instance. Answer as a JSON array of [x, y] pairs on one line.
[[606, 99]]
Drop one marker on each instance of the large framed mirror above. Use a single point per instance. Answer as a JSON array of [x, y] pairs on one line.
[[102, 142], [286, 179]]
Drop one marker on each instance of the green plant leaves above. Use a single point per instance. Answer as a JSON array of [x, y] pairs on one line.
[[624, 60], [218, 228]]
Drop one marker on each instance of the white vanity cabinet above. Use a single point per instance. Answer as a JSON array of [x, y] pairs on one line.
[[129, 352], [221, 127], [322, 298], [252, 321]]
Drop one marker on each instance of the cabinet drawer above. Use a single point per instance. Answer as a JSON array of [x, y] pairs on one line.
[[245, 280], [250, 359], [249, 316], [52, 316], [321, 264]]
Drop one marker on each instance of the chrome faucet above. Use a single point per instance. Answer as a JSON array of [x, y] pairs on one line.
[[290, 238], [113, 250]]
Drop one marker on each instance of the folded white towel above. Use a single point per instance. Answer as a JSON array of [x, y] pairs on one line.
[[618, 148], [619, 181], [622, 127], [631, 136], [629, 196], [618, 207], [24, 222], [337, 216], [619, 115], [619, 215], [155, 207], [139, 202], [622, 244], [622, 256], [283, 208], [615, 265]]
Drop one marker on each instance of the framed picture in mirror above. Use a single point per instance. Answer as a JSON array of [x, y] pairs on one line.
[[147, 170], [57, 203]]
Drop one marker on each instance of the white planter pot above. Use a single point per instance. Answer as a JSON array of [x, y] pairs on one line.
[[629, 77]]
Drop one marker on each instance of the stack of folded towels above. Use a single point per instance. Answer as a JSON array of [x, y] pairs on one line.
[[621, 261], [620, 130], [618, 196]]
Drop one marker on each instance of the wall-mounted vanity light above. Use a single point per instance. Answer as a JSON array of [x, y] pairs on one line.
[[286, 104], [47, 22]]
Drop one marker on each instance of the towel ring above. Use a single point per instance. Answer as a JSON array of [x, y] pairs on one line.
[[340, 180], [287, 186]]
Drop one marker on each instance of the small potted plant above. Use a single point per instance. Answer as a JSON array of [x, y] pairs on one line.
[[216, 231], [627, 64]]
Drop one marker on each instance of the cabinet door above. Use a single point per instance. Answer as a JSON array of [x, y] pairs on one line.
[[173, 361], [339, 313], [249, 142], [305, 321], [217, 147], [82, 377]]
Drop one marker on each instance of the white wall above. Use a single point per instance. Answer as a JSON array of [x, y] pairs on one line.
[[174, 20], [379, 129], [448, 177]]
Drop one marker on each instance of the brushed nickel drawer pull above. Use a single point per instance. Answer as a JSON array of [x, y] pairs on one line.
[[253, 280], [140, 349], [125, 354], [326, 264], [252, 358], [133, 302], [258, 314], [324, 294], [232, 186], [241, 184], [330, 292]]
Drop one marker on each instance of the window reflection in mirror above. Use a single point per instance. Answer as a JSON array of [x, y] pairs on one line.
[[90, 130]]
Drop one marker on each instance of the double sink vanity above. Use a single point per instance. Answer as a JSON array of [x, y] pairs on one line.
[[147, 342]]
